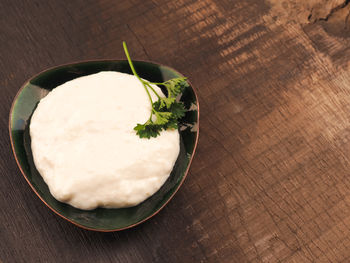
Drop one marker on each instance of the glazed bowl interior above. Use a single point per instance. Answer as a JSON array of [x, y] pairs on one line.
[[100, 219]]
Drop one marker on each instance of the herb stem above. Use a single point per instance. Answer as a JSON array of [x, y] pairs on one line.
[[149, 96], [130, 62], [153, 90], [135, 74]]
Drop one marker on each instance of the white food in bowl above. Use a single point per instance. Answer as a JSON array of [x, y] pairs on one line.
[[86, 150]]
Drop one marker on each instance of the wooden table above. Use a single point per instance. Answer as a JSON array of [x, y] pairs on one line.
[[270, 181]]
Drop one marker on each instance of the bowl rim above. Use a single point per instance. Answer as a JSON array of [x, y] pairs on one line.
[[91, 61]]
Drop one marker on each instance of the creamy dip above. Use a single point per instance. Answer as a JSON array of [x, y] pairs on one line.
[[86, 150]]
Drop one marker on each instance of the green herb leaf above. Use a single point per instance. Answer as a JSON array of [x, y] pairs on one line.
[[162, 117], [166, 111], [147, 130], [178, 110], [175, 86], [166, 102]]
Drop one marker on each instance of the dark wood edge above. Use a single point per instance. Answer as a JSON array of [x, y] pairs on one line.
[[74, 223]]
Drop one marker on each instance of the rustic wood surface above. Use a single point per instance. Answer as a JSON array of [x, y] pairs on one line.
[[270, 181]]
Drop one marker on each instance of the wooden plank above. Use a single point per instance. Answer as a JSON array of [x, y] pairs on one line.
[[270, 179]]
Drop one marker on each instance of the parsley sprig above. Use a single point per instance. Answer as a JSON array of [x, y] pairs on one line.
[[166, 111]]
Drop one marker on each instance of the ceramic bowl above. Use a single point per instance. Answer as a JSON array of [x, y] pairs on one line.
[[100, 219]]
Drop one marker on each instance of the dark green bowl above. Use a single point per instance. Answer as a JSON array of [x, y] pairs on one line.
[[100, 219]]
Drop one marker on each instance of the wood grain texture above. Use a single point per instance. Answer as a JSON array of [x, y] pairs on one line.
[[270, 182]]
